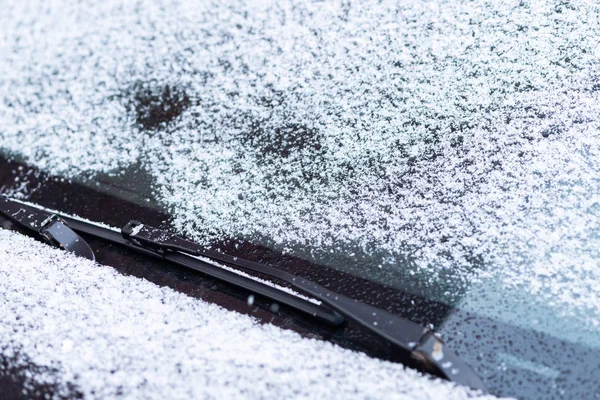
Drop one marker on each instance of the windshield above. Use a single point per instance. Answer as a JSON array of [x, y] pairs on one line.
[[445, 149]]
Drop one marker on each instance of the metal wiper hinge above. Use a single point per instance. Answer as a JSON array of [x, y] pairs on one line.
[[49, 227]]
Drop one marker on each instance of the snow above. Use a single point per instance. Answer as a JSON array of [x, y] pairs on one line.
[[112, 336], [453, 142]]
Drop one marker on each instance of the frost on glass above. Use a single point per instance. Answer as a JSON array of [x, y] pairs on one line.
[[451, 144]]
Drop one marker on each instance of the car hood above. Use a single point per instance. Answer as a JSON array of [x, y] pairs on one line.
[[90, 330]]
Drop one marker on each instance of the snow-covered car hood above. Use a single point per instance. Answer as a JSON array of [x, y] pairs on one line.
[[87, 329]]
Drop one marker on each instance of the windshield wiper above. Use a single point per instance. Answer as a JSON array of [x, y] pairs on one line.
[[413, 340], [32, 219]]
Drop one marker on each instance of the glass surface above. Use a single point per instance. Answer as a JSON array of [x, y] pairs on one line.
[[512, 305], [468, 284]]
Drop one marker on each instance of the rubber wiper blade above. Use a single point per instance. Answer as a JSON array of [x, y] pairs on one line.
[[411, 339], [414, 340], [47, 226]]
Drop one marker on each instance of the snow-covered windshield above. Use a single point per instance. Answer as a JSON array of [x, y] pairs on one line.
[[446, 148]]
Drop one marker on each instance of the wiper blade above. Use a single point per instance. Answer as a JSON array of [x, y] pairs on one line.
[[413, 340], [417, 341]]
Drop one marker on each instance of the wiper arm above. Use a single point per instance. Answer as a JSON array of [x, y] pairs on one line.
[[419, 342], [413, 340]]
